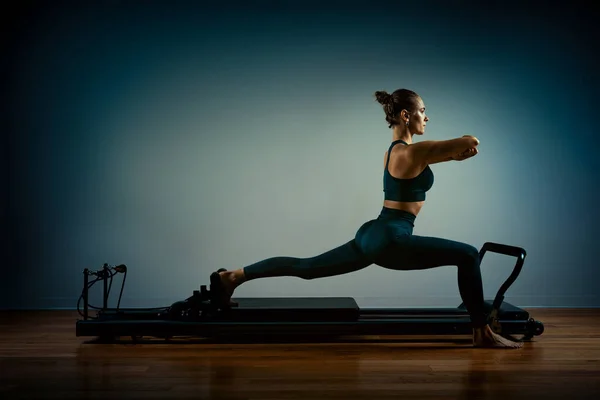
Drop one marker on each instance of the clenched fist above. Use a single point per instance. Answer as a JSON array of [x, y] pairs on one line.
[[466, 154]]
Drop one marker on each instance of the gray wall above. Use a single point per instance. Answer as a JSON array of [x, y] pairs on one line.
[[179, 139]]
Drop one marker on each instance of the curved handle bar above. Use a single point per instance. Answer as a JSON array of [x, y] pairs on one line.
[[518, 252]]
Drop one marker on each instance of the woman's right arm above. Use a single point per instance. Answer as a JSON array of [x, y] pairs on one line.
[[436, 151]]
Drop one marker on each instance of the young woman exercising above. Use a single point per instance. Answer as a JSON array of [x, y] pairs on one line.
[[388, 241]]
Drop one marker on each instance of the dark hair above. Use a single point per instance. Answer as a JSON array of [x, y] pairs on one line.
[[401, 99]]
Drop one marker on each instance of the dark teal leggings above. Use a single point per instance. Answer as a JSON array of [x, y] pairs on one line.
[[388, 242]]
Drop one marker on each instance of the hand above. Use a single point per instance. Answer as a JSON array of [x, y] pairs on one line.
[[466, 154], [471, 136]]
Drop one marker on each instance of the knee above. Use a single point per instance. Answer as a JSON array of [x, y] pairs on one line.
[[305, 275], [471, 255], [303, 271]]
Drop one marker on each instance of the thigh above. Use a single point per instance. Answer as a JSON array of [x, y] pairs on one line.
[[413, 252]]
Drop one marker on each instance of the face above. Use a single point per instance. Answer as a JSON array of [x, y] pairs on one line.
[[417, 119]]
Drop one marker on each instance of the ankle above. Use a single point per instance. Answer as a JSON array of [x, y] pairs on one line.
[[480, 329], [239, 277], [235, 277]]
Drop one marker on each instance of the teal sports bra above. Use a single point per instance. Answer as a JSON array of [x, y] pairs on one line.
[[413, 189]]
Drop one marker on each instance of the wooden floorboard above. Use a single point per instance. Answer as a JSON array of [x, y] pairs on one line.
[[41, 358]]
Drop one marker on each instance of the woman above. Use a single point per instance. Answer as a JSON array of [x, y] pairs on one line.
[[388, 241]]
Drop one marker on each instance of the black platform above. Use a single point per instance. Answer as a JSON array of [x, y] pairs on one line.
[[325, 316]]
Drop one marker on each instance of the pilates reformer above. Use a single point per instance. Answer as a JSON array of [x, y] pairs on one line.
[[204, 315]]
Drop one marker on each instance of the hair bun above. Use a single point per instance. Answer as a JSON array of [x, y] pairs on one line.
[[383, 97]]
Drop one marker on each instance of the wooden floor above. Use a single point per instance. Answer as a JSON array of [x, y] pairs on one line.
[[40, 358]]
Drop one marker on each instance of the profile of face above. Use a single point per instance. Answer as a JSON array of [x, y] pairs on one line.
[[417, 119]]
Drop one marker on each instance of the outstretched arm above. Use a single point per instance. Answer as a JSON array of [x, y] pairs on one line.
[[432, 152]]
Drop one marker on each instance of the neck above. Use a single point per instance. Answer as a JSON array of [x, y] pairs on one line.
[[402, 133]]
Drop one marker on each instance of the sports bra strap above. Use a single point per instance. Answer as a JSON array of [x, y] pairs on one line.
[[395, 142]]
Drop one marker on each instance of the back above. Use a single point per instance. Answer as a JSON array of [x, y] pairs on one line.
[[411, 189]]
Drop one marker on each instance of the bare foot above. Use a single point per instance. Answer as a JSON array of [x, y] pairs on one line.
[[485, 337], [231, 280], [228, 280]]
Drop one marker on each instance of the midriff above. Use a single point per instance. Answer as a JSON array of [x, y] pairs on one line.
[[412, 207]]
